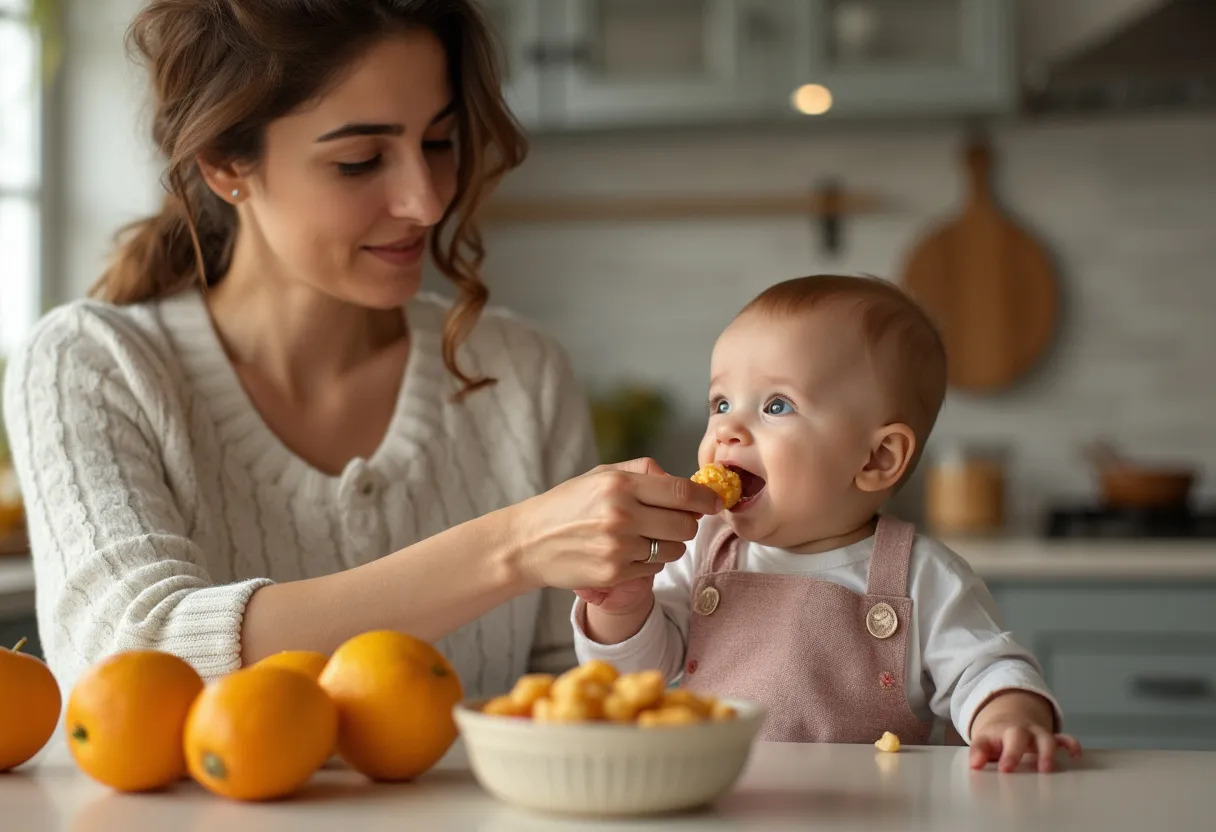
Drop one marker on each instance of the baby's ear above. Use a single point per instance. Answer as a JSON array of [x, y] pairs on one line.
[[891, 453]]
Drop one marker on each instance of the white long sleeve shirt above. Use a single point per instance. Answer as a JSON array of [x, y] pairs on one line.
[[958, 654]]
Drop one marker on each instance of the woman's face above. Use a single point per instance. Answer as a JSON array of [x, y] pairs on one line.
[[349, 186]]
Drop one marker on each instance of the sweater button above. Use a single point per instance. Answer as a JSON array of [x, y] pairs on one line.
[[367, 488]]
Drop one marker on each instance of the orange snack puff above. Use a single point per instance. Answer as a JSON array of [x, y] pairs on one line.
[[680, 698], [597, 670], [567, 710], [572, 685], [723, 481], [641, 690], [529, 689], [506, 706], [888, 742], [618, 708], [669, 716]]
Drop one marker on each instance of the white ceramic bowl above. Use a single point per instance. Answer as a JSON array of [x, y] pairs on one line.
[[606, 769]]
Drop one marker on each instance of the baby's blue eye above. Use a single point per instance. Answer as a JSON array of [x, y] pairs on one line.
[[719, 406], [778, 407]]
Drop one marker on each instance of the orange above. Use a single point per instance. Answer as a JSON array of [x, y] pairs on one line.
[[395, 696], [29, 706], [307, 662], [125, 719], [259, 733]]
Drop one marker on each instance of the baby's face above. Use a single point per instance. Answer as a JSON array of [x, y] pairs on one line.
[[793, 406]]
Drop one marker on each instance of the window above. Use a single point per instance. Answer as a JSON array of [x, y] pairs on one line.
[[20, 173]]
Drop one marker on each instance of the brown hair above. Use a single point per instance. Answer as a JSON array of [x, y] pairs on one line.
[[222, 70], [905, 348]]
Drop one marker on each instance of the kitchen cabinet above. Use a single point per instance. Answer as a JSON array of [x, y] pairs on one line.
[[594, 64], [1133, 665], [578, 64], [911, 57], [517, 24], [637, 62]]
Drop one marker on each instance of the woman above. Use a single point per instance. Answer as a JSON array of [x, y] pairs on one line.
[[260, 436]]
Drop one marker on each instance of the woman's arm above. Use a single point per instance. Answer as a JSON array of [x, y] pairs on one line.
[[592, 530], [428, 589]]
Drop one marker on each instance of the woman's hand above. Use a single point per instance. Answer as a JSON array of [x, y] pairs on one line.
[[594, 531]]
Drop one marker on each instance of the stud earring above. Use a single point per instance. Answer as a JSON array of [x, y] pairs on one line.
[[236, 192]]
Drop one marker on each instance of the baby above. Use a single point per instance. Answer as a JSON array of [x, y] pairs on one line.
[[844, 623]]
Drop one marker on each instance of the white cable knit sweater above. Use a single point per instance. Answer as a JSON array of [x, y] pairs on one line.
[[158, 500]]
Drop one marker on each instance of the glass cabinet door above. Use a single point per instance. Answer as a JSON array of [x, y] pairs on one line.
[[902, 34], [653, 62], [907, 56]]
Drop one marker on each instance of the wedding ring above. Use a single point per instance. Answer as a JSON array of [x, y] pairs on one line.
[[654, 551]]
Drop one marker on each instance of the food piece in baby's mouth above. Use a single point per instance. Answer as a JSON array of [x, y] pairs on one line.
[[723, 481], [889, 742]]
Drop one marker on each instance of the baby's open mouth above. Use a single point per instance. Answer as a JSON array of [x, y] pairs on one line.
[[751, 485]]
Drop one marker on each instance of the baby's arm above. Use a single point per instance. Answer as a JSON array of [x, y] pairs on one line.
[[645, 632], [1014, 723], [618, 613], [989, 686]]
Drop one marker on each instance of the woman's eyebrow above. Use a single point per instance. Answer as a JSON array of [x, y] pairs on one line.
[[360, 129], [369, 129]]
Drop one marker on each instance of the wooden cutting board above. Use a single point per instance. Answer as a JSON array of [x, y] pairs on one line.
[[989, 286]]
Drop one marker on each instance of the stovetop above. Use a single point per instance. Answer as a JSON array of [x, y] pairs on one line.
[[1102, 522]]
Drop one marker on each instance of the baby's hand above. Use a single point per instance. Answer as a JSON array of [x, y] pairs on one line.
[[1014, 724], [622, 597]]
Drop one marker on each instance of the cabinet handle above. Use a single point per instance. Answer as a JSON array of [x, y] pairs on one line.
[[1177, 688]]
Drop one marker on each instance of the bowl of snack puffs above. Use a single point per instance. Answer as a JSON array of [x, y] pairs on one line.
[[593, 741]]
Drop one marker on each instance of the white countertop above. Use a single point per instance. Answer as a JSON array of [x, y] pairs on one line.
[[1034, 559], [786, 786]]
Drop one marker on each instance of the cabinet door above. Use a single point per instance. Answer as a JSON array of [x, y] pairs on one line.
[[641, 62], [519, 27], [908, 57]]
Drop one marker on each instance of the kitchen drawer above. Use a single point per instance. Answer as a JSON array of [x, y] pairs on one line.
[[1038, 612], [1146, 735], [1153, 678]]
